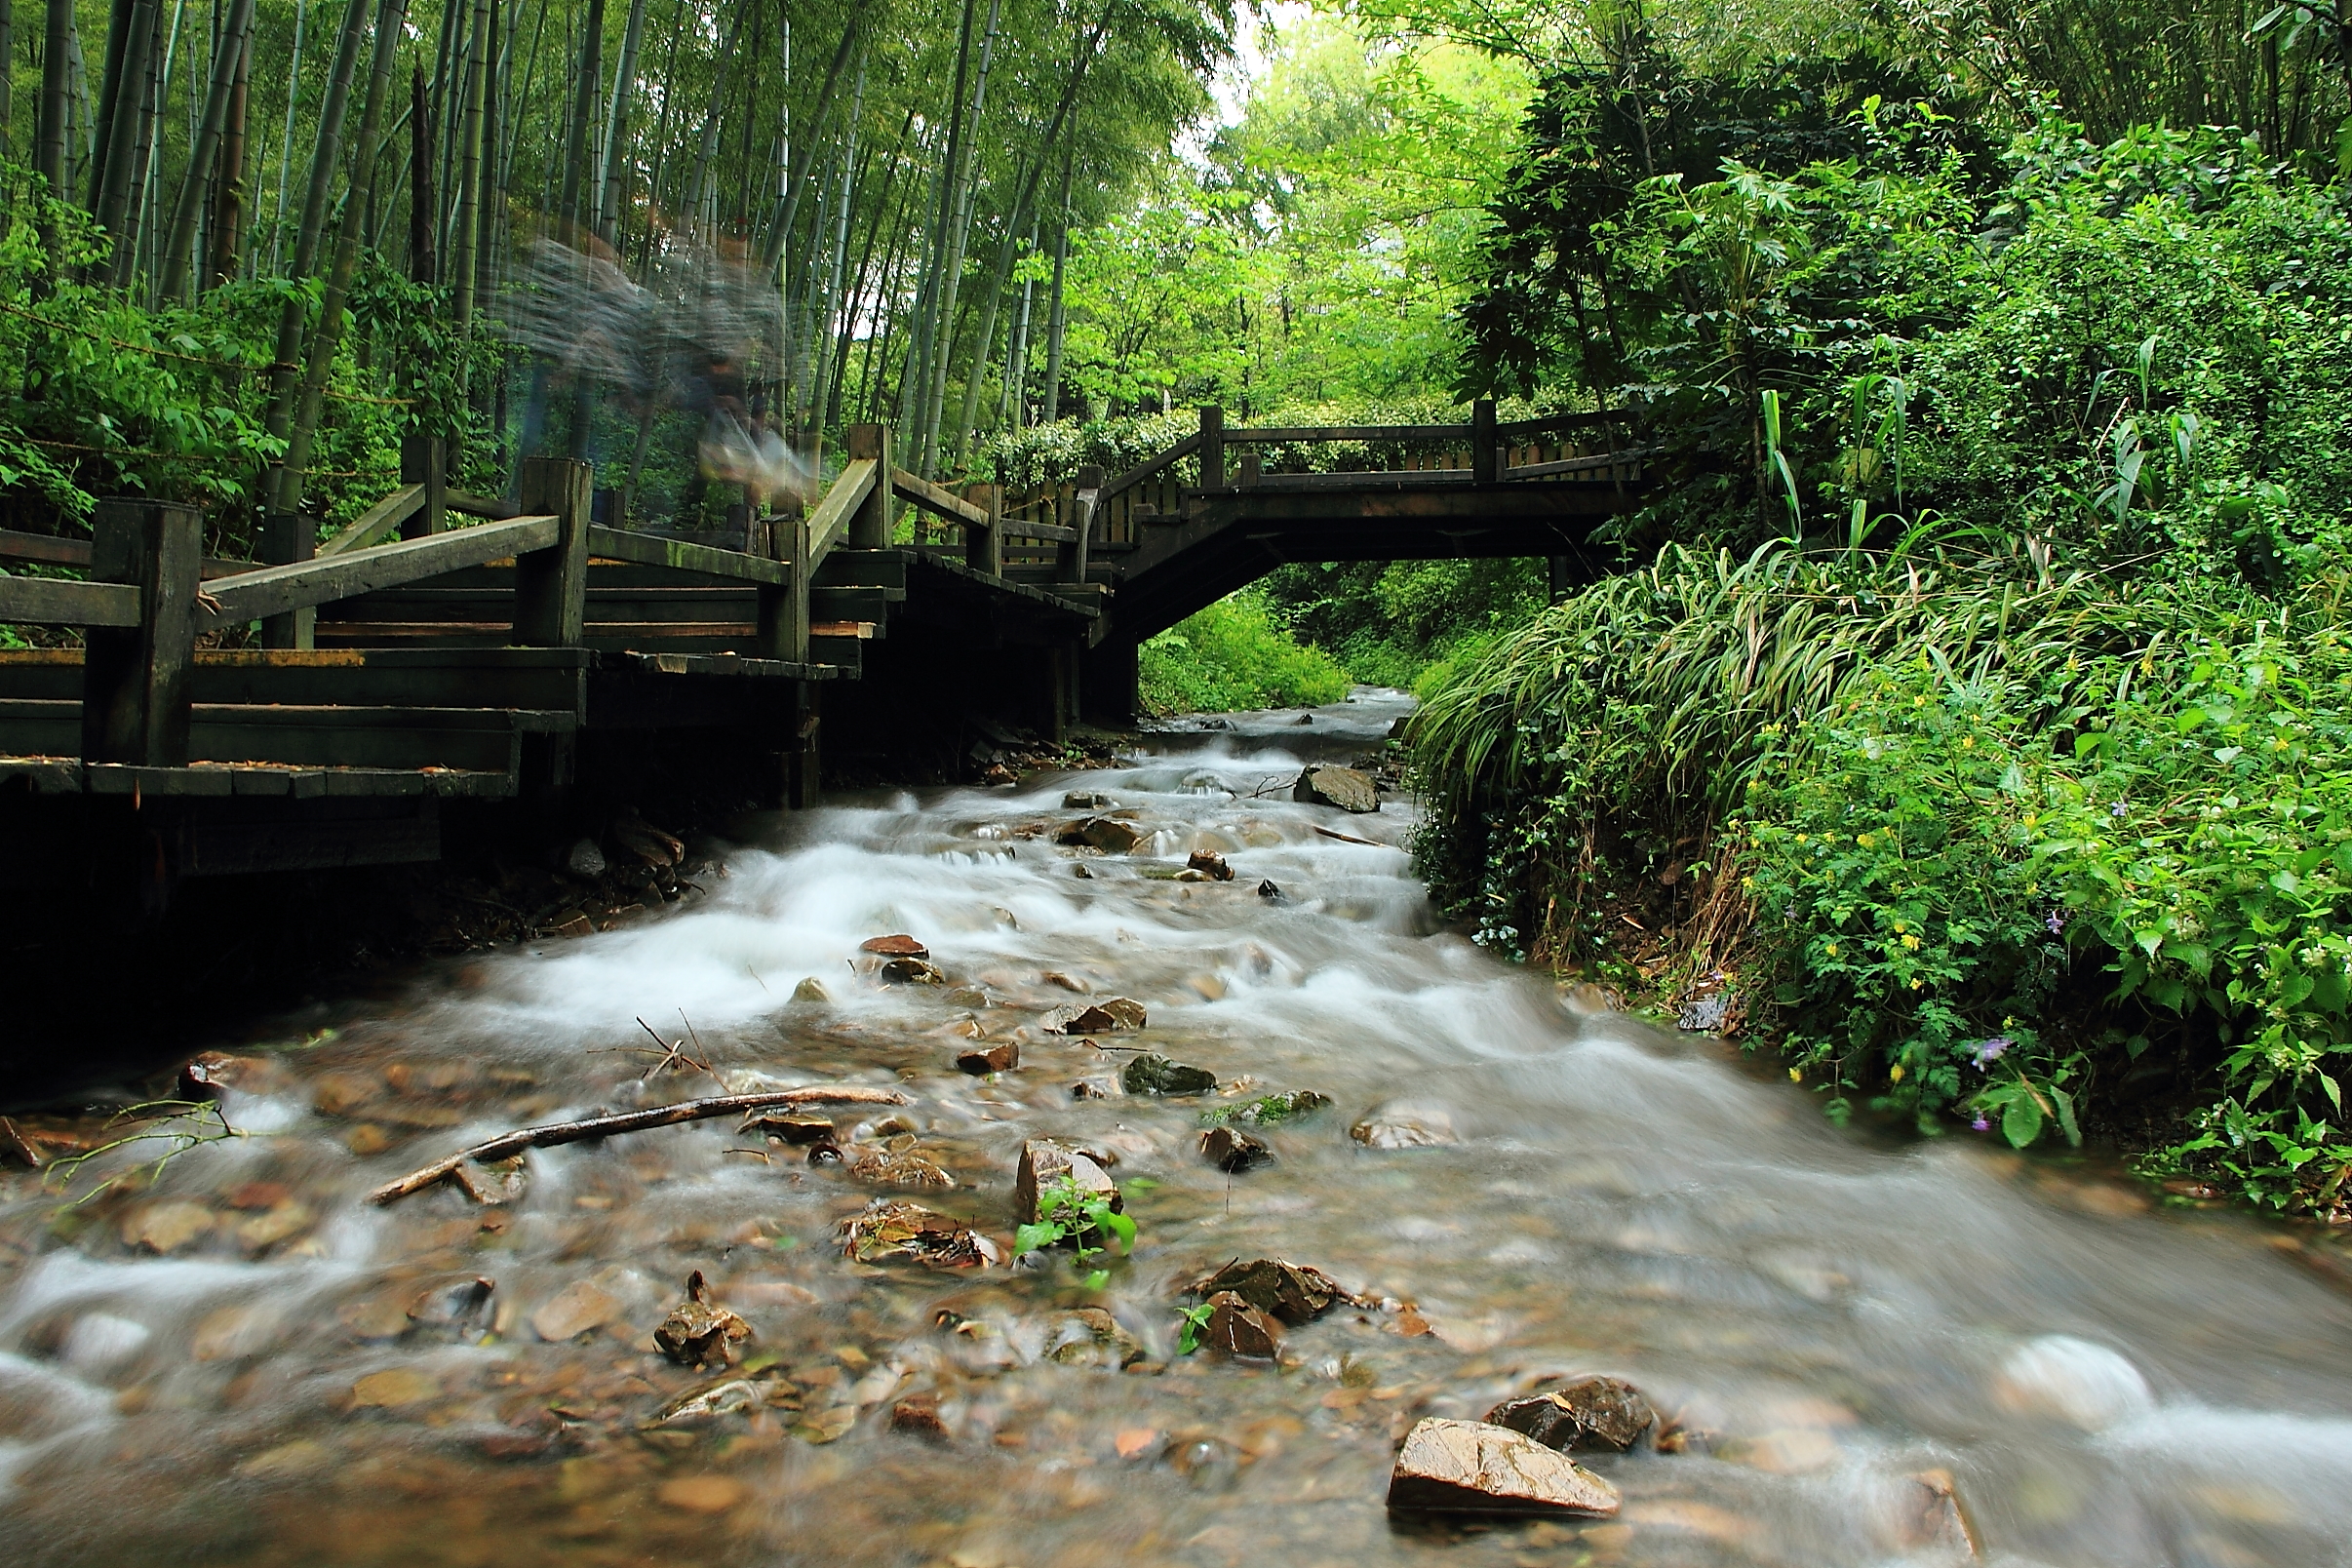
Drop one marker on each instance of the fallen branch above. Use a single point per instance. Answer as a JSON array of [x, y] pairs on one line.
[[508, 1143], [1347, 837]]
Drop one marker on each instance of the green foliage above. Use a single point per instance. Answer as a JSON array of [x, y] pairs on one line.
[[1232, 655], [1069, 1214], [1267, 1110], [1192, 1323]]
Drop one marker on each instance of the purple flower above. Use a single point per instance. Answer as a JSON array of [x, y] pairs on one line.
[[2117, 811], [2056, 921], [1980, 1124], [1990, 1051]]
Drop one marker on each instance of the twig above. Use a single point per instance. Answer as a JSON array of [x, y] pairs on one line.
[[1347, 837], [564, 1132]]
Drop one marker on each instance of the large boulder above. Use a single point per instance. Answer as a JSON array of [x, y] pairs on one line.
[[1469, 1467], [1347, 788]]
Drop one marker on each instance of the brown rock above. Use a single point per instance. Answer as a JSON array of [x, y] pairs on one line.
[[494, 1184], [1237, 1328], [460, 1308], [894, 947], [698, 1330], [342, 1092], [648, 843], [204, 1077], [1931, 1518], [273, 1225], [1211, 863], [1233, 1152], [811, 989], [1154, 1073], [1043, 1161], [899, 1231], [1002, 1057], [572, 923], [1066, 982], [1600, 1414], [791, 1128], [580, 1306], [1089, 1336], [702, 1493], [917, 1416], [1086, 800], [899, 1167], [366, 1139], [913, 973], [1405, 1126], [1468, 1466], [1292, 1292], [1323, 784], [1106, 833], [166, 1227], [393, 1388], [1098, 1018]]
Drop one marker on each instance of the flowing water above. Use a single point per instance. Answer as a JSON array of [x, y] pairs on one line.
[[1825, 1315]]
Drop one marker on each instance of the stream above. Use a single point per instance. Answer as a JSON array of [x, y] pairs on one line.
[[248, 1364]]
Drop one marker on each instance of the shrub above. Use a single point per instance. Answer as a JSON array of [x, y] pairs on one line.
[[1232, 655]]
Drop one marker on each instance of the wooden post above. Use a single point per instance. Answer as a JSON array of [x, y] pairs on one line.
[[783, 629], [1483, 450], [286, 538], [984, 542], [426, 461], [1212, 449], [870, 525], [1070, 557], [804, 772], [1253, 467], [135, 679], [551, 585]]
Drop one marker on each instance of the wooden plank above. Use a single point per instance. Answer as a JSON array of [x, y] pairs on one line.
[[40, 775], [276, 590], [1582, 465], [135, 679], [1267, 435], [870, 526], [377, 521], [652, 550], [57, 602], [830, 521], [1135, 476], [484, 506], [551, 581], [933, 498], [1012, 528], [1545, 424]]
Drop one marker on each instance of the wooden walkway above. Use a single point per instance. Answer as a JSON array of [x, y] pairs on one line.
[[444, 647]]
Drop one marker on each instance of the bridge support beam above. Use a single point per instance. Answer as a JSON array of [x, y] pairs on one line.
[[1110, 683]]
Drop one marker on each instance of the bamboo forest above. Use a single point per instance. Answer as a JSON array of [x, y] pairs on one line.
[[1180, 782]]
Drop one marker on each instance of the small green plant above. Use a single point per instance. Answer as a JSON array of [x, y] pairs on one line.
[[1193, 1322], [1267, 1110], [1069, 1213], [180, 1125]]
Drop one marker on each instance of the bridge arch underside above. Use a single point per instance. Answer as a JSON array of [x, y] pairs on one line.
[[1230, 538]]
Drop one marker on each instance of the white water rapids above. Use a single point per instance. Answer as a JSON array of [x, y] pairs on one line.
[[238, 1379]]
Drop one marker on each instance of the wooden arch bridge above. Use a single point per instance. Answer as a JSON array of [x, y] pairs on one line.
[[446, 648]]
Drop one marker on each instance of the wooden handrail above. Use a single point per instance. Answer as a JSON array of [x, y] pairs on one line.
[[279, 590], [654, 550], [831, 519], [495, 509], [377, 521], [1511, 428], [1579, 465], [50, 550], [934, 498], [1137, 474], [1270, 435], [61, 602]]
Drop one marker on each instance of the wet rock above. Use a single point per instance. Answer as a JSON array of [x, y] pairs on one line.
[[393, 1389], [1081, 872], [913, 973], [462, 1307], [1086, 800], [1705, 1015], [1323, 784], [366, 1139], [1270, 892], [585, 859], [16, 1146], [203, 1076], [787, 1126], [998, 773], [811, 989], [899, 1167], [494, 1184], [1594, 1414], [968, 997], [729, 1396], [1272, 1110], [1089, 1336], [571, 922], [1237, 1328], [1002, 1057], [1293, 1292], [1053, 977], [280, 1222], [101, 1341], [1469, 1467], [899, 1231], [1305, 718], [1098, 1018], [702, 1493], [1231, 1151], [698, 1330], [576, 1309], [894, 947], [648, 843], [1107, 834], [166, 1227], [1154, 1073], [1930, 1516], [1044, 1162], [1101, 1087], [379, 1317], [1587, 1001], [234, 1333], [1210, 865], [2060, 1378], [1405, 1126], [917, 1416]]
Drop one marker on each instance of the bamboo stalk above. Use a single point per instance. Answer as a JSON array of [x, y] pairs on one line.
[[179, 235], [231, 193]]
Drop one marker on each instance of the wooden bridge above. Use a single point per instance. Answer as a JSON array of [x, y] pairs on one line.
[[446, 648]]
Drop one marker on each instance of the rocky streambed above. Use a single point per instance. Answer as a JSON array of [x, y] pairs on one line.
[[1173, 1190]]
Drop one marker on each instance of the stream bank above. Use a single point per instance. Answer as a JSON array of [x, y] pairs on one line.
[[258, 1366]]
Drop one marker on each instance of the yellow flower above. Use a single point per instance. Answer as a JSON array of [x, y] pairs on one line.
[[1912, 942], [1918, 984], [1796, 1075], [1895, 1074], [1968, 743], [1831, 950], [1899, 927]]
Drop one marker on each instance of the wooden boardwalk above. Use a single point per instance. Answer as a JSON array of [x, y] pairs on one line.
[[446, 648]]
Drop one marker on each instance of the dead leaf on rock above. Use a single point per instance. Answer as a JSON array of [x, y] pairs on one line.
[[392, 1388], [167, 1227]]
